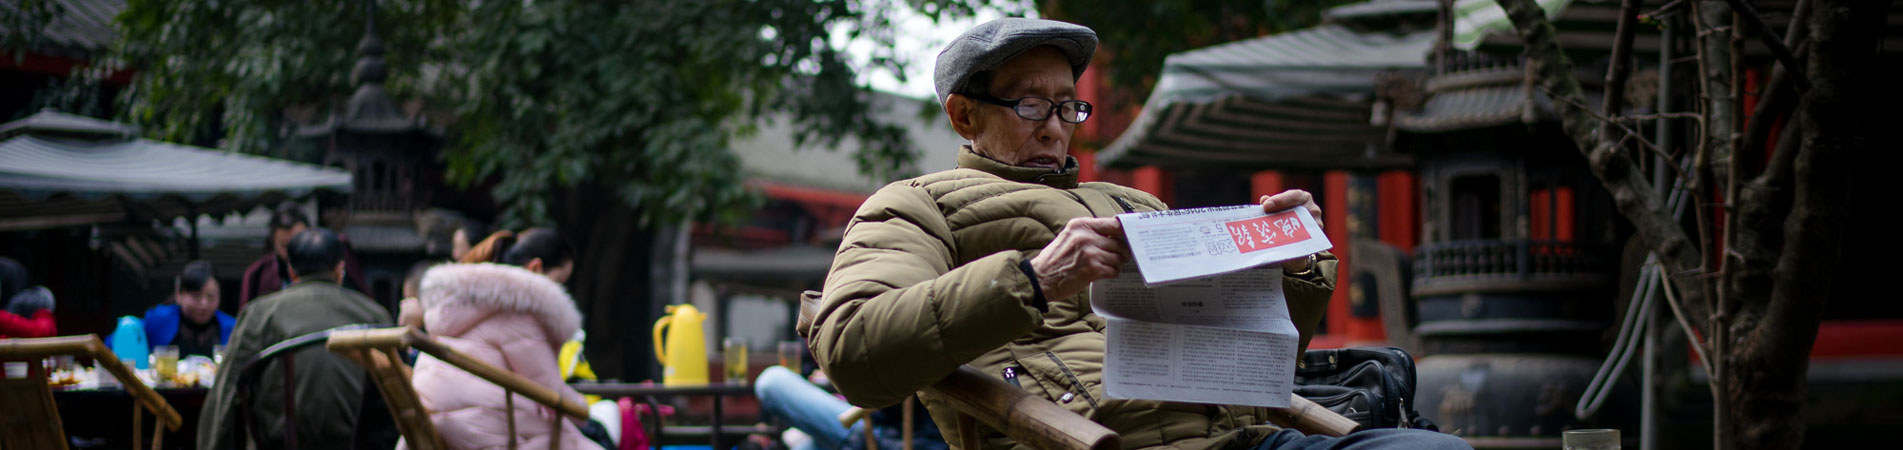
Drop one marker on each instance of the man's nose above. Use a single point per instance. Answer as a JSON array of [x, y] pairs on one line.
[[1050, 129]]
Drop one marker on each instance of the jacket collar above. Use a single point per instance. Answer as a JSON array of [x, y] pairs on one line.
[[316, 278], [1061, 179]]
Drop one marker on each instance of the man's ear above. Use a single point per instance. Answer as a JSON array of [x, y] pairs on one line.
[[963, 120], [339, 271], [534, 265]]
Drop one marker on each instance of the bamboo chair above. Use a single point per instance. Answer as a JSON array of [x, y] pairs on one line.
[[857, 414], [32, 419], [988, 401], [376, 349]]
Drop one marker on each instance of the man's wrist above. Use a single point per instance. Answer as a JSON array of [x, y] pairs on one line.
[[1037, 287], [1308, 267]]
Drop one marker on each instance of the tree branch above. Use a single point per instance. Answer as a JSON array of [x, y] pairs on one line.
[[1621, 67], [1631, 193], [1778, 99], [1779, 48]]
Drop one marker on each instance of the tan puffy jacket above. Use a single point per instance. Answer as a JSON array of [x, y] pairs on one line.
[[927, 279]]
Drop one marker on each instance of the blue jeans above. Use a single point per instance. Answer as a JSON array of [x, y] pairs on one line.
[[805, 406], [1375, 439]]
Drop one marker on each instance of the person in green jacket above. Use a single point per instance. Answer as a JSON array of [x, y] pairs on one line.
[[330, 389], [987, 265]]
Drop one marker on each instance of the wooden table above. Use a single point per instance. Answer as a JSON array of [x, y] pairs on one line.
[[100, 414], [650, 391]]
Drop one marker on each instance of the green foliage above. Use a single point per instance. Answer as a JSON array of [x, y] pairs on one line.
[[633, 98], [1138, 35], [226, 71], [22, 20]]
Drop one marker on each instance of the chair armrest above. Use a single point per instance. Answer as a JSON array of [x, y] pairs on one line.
[[393, 338], [1031, 420], [91, 346], [1311, 418], [852, 416]]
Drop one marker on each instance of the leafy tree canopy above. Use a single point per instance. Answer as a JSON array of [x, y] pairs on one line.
[[635, 98]]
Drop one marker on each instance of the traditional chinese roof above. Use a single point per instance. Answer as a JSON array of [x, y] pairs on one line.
[[1301, 99]]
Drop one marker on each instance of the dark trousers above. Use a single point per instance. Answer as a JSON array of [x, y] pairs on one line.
[[1376, 439]]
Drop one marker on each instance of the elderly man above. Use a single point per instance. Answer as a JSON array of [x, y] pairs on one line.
[[988, 265], [330, 389]]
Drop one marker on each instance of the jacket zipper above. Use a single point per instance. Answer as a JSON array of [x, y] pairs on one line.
[[1124, 203], [1077, 385]]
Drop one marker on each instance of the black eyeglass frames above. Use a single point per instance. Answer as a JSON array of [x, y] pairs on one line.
[[1040, 108]]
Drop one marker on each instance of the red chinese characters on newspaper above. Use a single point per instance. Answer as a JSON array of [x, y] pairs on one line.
[[1178, 245], [1263, 233]]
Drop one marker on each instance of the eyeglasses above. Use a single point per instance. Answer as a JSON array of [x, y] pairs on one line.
[[1040, 108]]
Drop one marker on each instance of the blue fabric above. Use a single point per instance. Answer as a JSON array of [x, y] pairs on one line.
[[1375, 439], [805, 406], [161, 325]]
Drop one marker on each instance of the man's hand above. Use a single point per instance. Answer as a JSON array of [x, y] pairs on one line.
[[1289, 199], [1087, 249]]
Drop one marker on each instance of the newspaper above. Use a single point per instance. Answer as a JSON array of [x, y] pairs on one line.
[[1224, 339], [1181, 244]]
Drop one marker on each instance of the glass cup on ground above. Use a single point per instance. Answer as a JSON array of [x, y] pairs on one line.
[[735, 349], [165, 363], [792, 356], [1592, 439]]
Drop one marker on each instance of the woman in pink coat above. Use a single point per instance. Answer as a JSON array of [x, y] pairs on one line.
[[508, 317]]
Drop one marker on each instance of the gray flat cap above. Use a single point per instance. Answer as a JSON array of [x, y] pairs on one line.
[[990, 44]]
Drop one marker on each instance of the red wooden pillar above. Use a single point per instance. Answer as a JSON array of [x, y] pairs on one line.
[[1336, 208], [1398, 209], [1155, 181], [1086, 165], [1267, 182]]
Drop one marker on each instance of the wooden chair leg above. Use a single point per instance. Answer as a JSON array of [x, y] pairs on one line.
[[158, 434], [968, 432], [906, 432], [508, 404], [555, 441], [138, 424]]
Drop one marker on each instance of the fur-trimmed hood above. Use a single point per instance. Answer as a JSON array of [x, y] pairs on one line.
[[456, 297]]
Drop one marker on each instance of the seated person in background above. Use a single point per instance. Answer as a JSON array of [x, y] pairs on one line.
[[27, 312], [814, 413], [464, 237], [988, 265], [507, 317], [409, 309], [330, 389], [191, 320], [271, 271]]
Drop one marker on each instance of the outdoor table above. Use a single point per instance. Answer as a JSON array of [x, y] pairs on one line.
[[99, 413], [649, 391]]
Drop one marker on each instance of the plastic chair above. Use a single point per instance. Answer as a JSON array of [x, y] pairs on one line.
[[32, 419]]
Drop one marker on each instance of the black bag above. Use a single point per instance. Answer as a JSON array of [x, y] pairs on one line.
[[1371, 385]]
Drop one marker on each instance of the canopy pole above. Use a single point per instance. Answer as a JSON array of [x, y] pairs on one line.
[[192, 217]]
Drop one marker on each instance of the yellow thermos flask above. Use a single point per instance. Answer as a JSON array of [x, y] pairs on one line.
[[683, 354]]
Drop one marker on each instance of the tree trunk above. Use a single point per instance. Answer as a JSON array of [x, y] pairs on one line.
[[1774, 337], [612, 284]]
